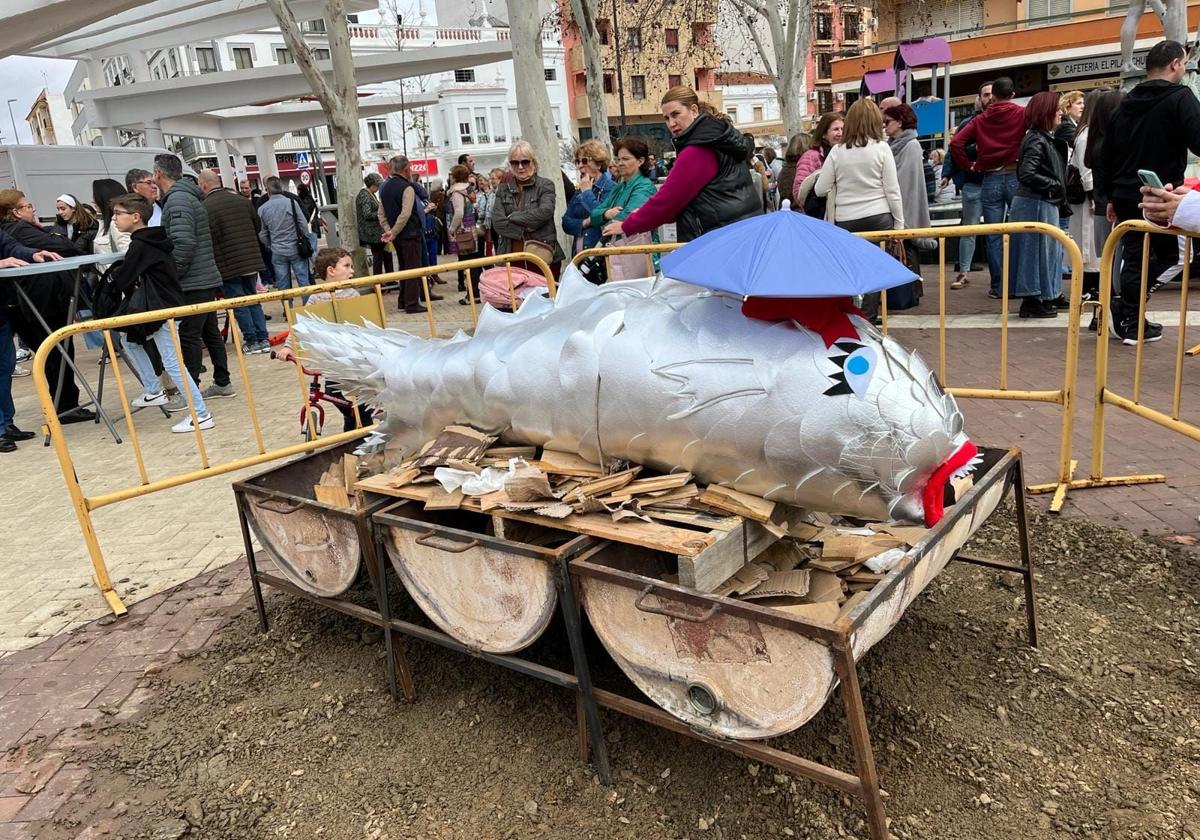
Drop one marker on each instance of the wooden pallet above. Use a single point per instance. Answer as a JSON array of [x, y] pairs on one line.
[[709, 549]]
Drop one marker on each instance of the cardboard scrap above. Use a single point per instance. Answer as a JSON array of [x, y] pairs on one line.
[[439, 499], [746, 579], [566, 463], [528, 484], [779, 584], [455, 443], [825, 612], [824, 586]]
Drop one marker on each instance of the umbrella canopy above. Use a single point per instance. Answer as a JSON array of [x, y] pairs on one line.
[[785, 254]]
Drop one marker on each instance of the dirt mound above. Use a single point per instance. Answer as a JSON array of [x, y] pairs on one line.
[[293, 734]]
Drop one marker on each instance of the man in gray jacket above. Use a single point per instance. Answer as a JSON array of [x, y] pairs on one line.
[[186, 222], [282, 226]]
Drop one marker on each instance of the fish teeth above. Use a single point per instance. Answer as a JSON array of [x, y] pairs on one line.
[[967, 468]]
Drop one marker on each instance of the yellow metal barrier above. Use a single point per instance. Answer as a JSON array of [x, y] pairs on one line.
[[1104, 395], [1064, 395], [84, 504]]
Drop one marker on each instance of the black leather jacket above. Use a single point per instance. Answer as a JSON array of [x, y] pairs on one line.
[[729, 197], [1041, 170]]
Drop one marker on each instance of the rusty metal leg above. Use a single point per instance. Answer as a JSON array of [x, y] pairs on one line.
[[1026, 554], [586, 697], [397, 657], [860, 737], [255, 584]]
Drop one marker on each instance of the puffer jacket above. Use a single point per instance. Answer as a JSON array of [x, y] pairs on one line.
[[1041, 170], [731, 195], [186, 222], [527, 216], [83, 237], [234, 227]]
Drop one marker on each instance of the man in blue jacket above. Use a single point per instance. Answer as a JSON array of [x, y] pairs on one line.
[[12, 255]]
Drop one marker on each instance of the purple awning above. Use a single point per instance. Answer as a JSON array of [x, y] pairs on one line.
[[923, 53], [882, 81]]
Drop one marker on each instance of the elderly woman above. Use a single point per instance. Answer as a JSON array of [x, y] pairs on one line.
[[370, 231], [634, 188], [50, 294], [594, 185], [523, 215], [900, 126]]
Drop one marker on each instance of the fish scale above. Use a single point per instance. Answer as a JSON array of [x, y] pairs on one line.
[[674, 377]]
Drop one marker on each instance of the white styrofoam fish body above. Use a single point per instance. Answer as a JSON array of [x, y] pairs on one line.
[[674, 377]]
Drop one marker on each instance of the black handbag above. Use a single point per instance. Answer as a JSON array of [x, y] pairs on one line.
[[303, 243], [1075, 192]]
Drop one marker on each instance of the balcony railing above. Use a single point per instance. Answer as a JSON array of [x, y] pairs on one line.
[[365, 32]]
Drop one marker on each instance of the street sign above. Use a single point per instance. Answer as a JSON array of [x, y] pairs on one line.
[[302, 160], [305, 177]]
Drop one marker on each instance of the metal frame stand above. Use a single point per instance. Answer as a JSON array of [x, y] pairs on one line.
[[399, 675], [864, 782], [72, 308], [591, 734]]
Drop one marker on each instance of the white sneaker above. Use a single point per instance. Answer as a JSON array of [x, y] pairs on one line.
[[185, 425], [148, 399], [23, 355]]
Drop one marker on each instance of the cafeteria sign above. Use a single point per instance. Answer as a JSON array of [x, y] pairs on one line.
[[1093, 66]]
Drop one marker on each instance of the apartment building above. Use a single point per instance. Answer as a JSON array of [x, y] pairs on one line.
[[643, 55]]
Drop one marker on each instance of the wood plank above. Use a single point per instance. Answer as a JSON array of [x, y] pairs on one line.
[[439, 499], [566, 463], [718, 562], [655, 484], [349, 471], [506, 452], [601, 486], [701, 520], [852, 602], [332, 494], [734, 501]]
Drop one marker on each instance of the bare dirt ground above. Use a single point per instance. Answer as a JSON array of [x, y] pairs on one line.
[[1097, 734]]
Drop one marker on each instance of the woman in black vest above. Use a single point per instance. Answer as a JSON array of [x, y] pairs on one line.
[[709, 186]]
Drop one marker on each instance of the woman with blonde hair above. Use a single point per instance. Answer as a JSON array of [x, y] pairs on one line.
[[523, 214], [709, 186], [595, 182], [858, 180]]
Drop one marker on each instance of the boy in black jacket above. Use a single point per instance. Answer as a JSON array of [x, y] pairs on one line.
[[147, 280]]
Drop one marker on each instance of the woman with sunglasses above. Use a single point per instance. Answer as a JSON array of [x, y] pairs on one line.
[[594, 185], [523, 215], [709, 186]]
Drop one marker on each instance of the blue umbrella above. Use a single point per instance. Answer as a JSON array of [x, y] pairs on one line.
[[785, 254]]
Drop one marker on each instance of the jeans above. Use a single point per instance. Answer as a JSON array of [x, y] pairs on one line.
[[972, 211], [8, 361], [198, 333], [285, 265], [166, 350], [251, 321], [997, 195], [1037, 259]]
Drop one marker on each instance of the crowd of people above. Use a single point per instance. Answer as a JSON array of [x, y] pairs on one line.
[[1074, 161]]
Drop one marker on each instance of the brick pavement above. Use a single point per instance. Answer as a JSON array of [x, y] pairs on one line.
[[69, 689]]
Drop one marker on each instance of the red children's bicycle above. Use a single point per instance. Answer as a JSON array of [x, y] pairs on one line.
[[312, 413]]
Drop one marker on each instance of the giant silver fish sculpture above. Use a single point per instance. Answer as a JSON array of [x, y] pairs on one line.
[[675, 377]]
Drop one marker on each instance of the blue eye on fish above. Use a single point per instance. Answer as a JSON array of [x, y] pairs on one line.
[[664, 374]]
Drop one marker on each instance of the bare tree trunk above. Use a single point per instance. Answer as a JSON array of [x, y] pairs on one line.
[[584, 13], [533, 101], [785, 60], [339, 101]]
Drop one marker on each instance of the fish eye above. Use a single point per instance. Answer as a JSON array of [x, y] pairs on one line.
[[860, 370]]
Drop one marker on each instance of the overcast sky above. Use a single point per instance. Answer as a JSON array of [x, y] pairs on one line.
[[22, 79]]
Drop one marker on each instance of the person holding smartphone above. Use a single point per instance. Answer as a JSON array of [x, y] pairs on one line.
[[1153, 129]]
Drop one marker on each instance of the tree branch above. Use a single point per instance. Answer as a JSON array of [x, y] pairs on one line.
[[302, 54]]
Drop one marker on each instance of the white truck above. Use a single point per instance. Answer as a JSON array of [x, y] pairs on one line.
[[44, 173]]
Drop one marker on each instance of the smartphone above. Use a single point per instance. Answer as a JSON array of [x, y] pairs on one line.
[[1150, 179]]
